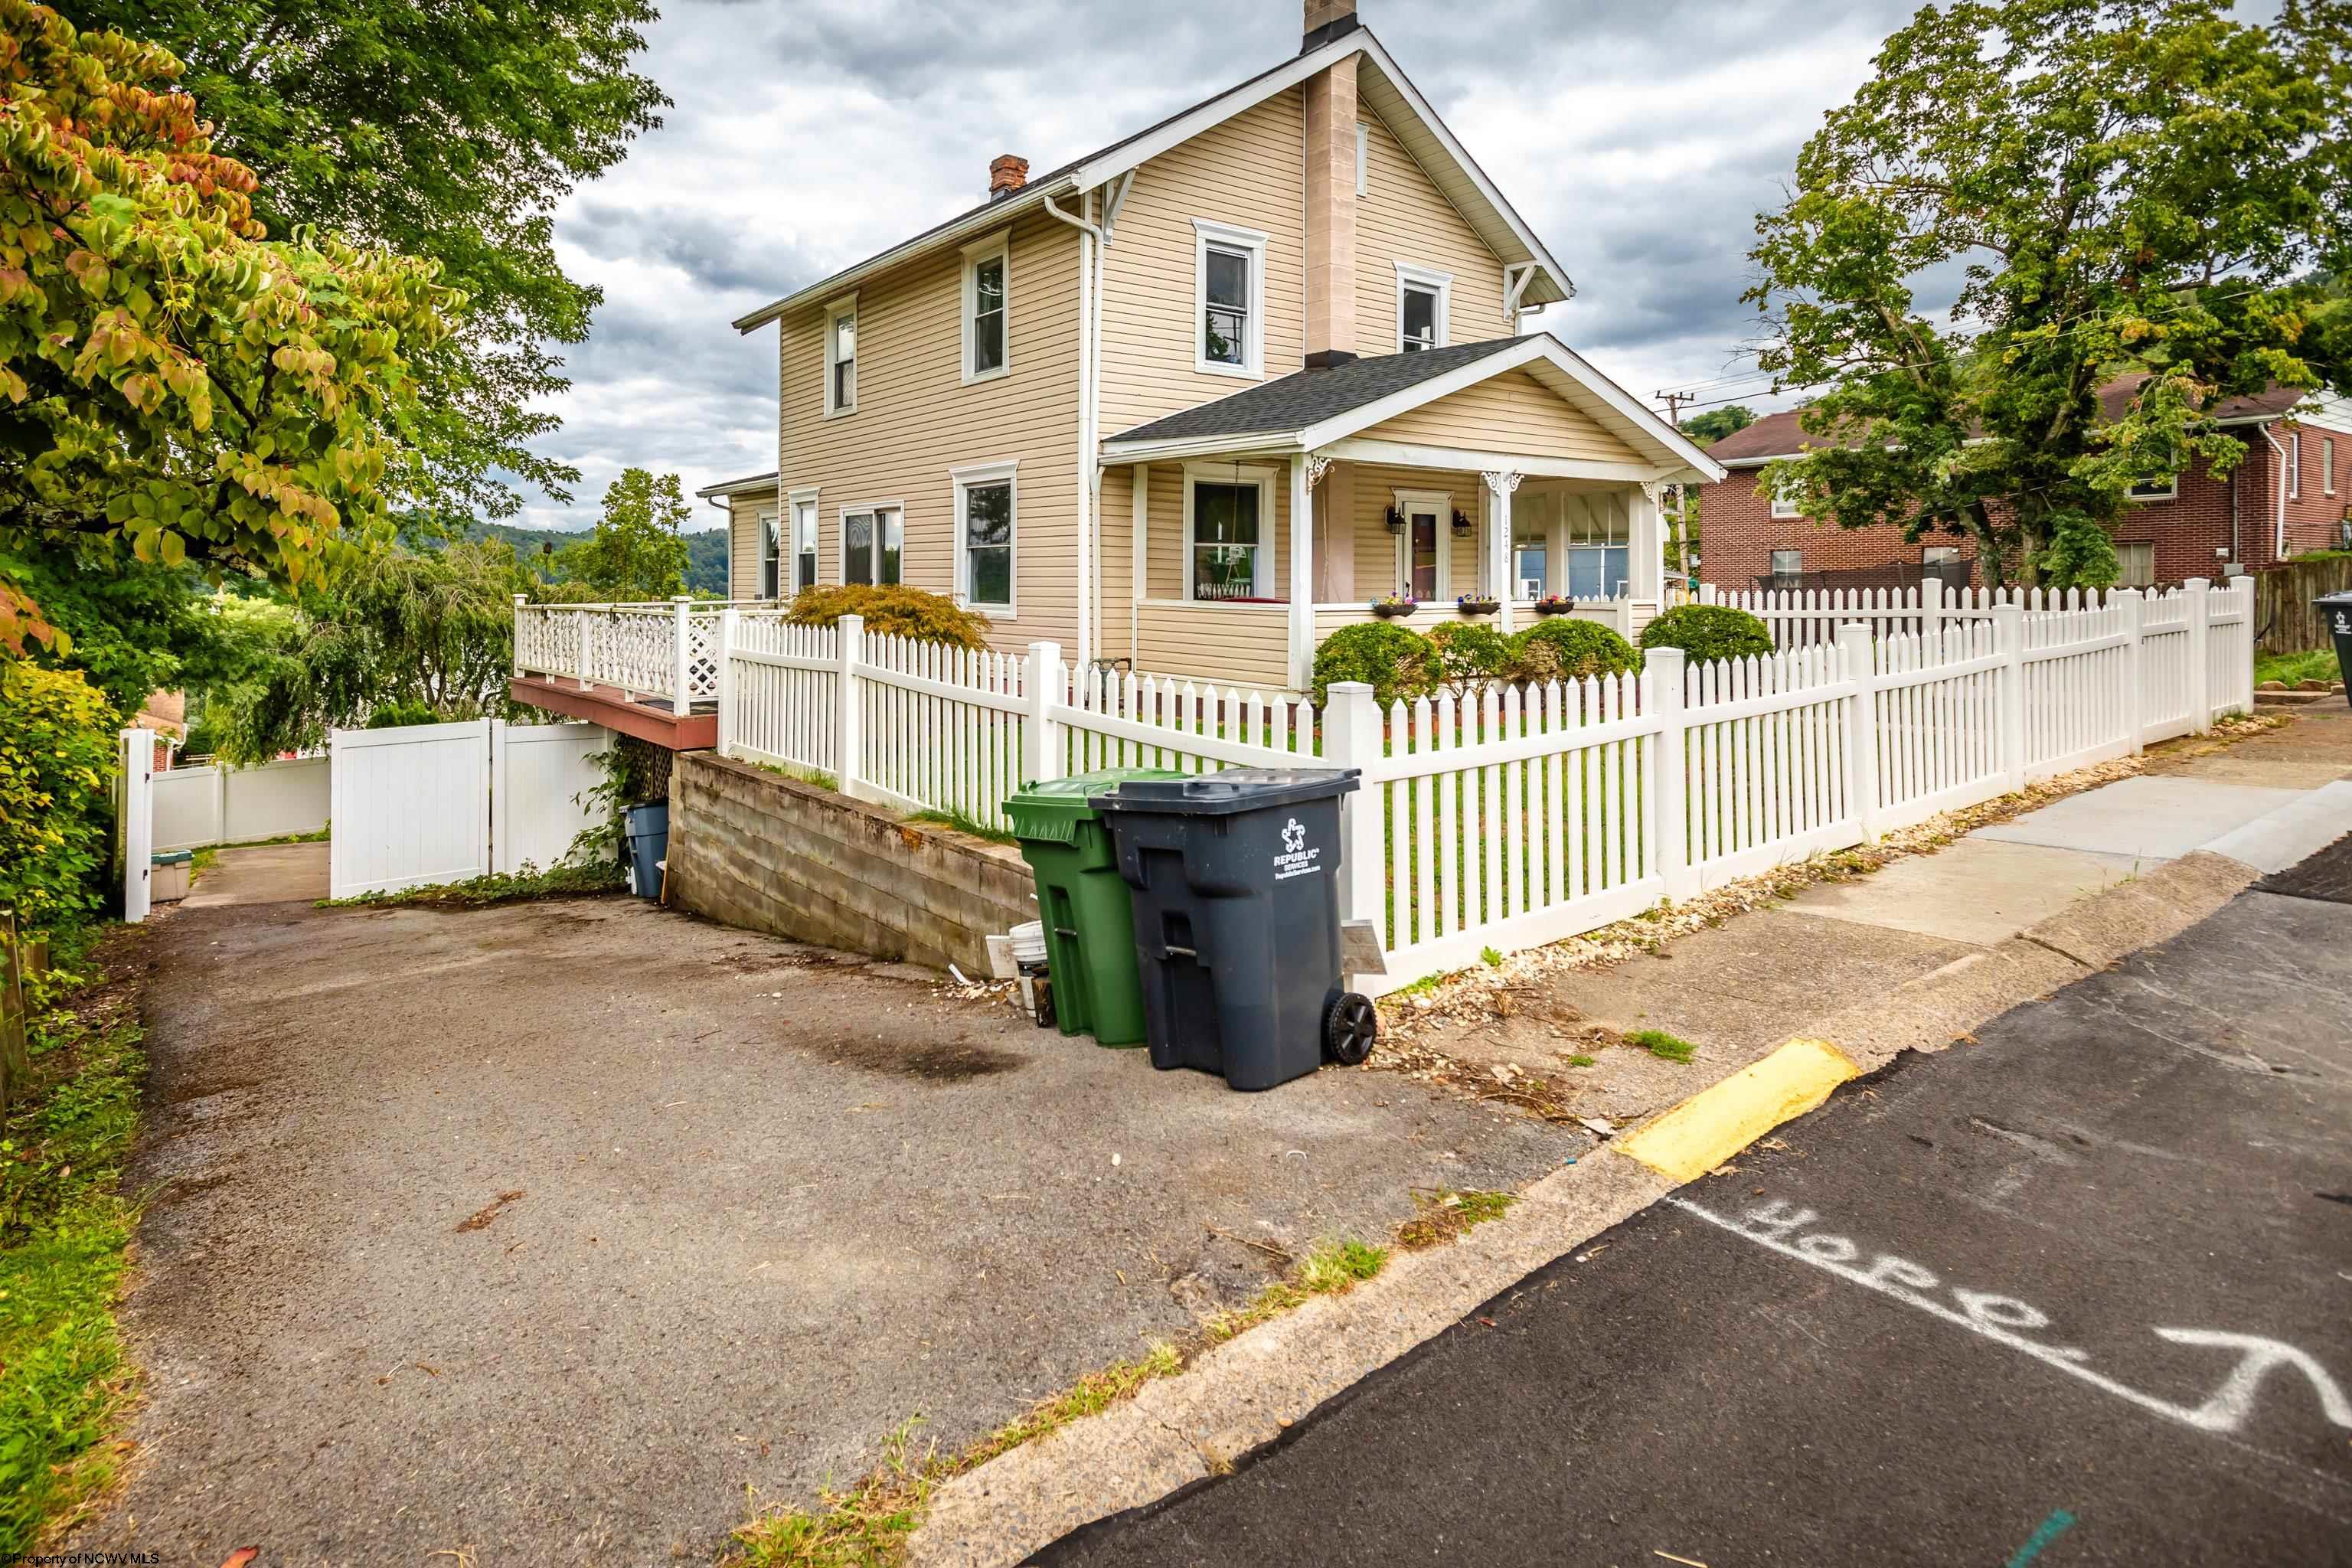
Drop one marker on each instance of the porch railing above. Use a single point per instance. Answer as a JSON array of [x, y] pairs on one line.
[[667, 649]]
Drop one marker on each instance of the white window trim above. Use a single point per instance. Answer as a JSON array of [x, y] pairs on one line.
[[965, 480], [996, 248], [2326, 465], [1407, 502], [793, 501], [1784, 509], [1206, 232], [1772, 562], [840, 521], [771, 535], [1269, 522], [834, 311], [1363, 159], [2295, 464], [1409, 277], [2171, 491]]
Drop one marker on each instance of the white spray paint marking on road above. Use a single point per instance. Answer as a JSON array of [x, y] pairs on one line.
[[2005, 1321]]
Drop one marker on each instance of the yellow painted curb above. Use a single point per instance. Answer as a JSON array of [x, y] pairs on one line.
[[1716, 1123]]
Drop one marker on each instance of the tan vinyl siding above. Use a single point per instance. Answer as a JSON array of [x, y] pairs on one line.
[[1403, 216], [1249, 173], [1231, 645], [1378, 571], [1510, 413], [744, 545], [916, 421]]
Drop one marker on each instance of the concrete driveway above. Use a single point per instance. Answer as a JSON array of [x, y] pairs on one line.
[[545, 1230]]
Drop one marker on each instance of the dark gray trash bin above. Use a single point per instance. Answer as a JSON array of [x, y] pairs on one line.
[[2336, 613], [1235, 884], [647, 831]]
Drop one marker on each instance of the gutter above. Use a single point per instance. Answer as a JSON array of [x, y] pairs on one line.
[[2278, 490]]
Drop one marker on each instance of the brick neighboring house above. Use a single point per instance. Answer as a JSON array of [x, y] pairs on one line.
[[2288, 496]]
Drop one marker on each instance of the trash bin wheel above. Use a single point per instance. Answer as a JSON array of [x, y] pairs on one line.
[[1350, 1024]]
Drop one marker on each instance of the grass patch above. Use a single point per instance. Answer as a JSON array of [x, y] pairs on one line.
[[1665, 1046], [202, 860], [65, 1233], [1328, 1269], [499, 887], [1582, 1060], [1448, 1215], [2293, 669], [970, 826], [804, 775]]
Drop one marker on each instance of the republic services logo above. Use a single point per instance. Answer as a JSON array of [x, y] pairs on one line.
[[1293, 836]]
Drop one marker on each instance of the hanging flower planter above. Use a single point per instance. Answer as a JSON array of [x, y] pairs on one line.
[[1476, 605], [1554, 604], [1395, 607]]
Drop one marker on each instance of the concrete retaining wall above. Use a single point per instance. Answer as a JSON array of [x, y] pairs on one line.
[[753, 848]]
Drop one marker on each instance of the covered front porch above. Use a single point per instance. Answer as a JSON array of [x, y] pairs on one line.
[[1509, 474]]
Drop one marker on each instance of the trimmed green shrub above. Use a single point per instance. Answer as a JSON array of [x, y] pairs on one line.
[[1561, 648], [396, 715], [1399, 665], [57, 759], [893, 610], [1706, 632], [1469, 654]]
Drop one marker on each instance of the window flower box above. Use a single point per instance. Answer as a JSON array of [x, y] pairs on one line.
[[1555, 605], [1395, 607], [1476, 605]]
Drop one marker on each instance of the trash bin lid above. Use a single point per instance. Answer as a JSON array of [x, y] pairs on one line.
[[172, 857], [1048, 811], [1235, 789], [2333, 601]]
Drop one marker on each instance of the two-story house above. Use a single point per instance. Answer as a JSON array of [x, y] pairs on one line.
[[2287, 495], [1195, 399]]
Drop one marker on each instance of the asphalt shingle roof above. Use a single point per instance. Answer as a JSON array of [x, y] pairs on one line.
[[1310, 397]]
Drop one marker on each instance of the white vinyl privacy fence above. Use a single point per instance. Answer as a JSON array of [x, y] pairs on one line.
[[196, 807], [423, 805], [1507, 817]]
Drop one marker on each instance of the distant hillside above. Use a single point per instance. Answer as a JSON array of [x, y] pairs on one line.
[[706, 551]]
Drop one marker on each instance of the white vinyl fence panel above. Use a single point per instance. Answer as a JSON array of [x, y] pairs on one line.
[[1508, 817], [540, 802], [411, 807], [197, 807]]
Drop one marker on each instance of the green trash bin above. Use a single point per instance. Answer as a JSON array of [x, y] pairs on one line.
[[1084, 903]]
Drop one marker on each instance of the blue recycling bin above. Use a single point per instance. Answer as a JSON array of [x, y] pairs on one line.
[[646, 830]]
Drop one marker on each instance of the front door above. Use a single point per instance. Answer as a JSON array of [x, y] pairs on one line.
[[1424, 537]]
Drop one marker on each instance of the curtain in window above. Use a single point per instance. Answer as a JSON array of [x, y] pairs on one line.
[[857, 547]]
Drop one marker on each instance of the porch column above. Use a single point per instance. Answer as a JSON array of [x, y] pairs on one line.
[[1645, 557], [1304, 472], [1500, 581]]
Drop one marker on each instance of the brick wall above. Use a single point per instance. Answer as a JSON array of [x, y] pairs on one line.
[[752, 848], [2190, 533]]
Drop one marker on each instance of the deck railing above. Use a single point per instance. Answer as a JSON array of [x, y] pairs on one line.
[[667, 649]]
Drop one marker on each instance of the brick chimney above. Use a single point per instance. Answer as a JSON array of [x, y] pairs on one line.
[[1326, 20], [1330, 207], [1007, 173]]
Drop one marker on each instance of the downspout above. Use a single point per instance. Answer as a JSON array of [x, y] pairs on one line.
[[726, 505], [1093, 239], [2278, 490]]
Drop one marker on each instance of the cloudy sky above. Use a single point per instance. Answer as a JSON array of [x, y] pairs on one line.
[[1639, 138]]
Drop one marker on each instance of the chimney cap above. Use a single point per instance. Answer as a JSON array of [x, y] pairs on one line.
[[1006, 172]]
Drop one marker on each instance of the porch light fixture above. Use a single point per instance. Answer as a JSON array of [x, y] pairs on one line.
[[1461, 526], [1396, 520]]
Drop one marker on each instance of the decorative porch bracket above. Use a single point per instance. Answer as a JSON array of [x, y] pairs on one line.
[[1501, 484]]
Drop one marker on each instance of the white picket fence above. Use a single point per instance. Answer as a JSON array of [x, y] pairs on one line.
[[1505, 816]]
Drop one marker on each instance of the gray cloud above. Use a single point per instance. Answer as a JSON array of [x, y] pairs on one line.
[[1639, 137]]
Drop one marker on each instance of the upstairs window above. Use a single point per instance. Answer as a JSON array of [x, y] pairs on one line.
[[1784, 506], [841, 356], [2326, 466], [2156, 489], [872, 544], [1423, 302], [986, 344], [1229, 289], [2295, 464]]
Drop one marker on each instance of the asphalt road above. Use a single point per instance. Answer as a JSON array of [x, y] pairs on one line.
[[2078, 1293]]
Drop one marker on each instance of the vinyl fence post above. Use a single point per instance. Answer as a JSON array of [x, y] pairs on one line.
[[135, 751], [2129, 608], [849, 701], [1665, 692], [2008, 640], [1931, 610], [1860, 727], [522, 603], [1041, 682], [727, 621], [2198, 592], [1352, 739], [681, 654]]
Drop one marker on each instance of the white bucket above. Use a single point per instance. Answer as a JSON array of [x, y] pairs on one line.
[[1029, 942]]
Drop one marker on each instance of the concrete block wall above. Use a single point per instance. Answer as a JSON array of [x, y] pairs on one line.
[[753, 848]]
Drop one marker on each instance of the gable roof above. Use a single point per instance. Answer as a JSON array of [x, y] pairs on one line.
[[766, 481], [1309, 409], [1779, 434], [1380, 85]]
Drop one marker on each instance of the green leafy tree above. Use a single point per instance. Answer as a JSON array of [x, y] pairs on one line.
[[57, 753], [2115, 186], [429, 635], [637, 551], [170, 380], [448, 132], [1714, 424]]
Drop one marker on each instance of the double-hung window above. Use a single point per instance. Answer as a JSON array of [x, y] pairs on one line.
[[841, 356], [1229, 286], [872, 542], [803, 540], [1228, 532], [2295, 464], [987, 348], [768, 560], [1788, 568], [1785, 503], [1423, 302], [984, 524]]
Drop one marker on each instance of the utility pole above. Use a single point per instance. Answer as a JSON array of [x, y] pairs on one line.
[[1674, 402]]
